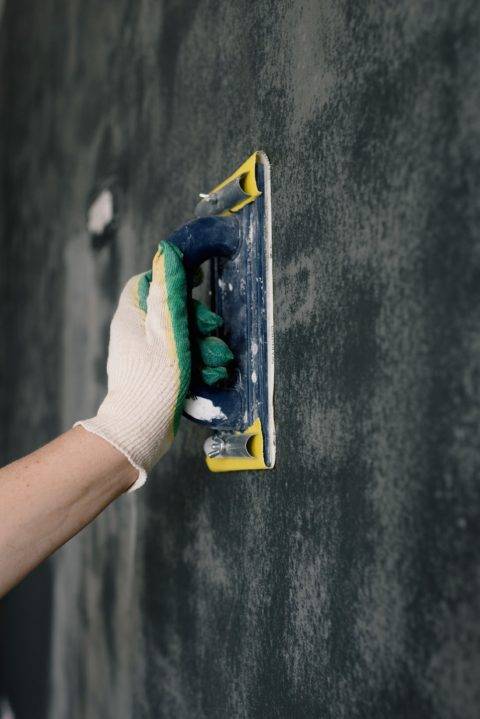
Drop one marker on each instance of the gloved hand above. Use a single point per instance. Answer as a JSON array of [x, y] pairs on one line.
[[149, 362]]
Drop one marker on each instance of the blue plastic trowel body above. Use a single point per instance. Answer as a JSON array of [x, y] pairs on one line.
[[233, 232]]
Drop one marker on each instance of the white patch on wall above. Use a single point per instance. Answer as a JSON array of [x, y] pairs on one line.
[[100, 213]]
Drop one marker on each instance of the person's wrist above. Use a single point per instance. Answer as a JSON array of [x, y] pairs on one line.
[[124, 473], [127, 473]]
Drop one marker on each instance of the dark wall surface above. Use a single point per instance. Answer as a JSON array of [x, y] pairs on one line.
[[346, 582]]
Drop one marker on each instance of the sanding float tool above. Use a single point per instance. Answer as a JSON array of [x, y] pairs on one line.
[[232, 231]]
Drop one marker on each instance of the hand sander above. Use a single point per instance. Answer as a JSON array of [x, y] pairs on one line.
[[232, 231]]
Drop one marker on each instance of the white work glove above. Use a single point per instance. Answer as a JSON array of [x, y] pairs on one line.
[[148, 364]]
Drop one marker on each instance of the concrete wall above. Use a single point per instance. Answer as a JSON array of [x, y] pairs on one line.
[[346, 582]]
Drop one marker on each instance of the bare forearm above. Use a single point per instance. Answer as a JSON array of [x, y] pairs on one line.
[[48, 496]]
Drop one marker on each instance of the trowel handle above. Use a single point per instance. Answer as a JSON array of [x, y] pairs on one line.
[[207, 237], [201, 240]]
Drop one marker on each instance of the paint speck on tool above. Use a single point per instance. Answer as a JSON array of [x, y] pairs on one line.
[[203, 409]]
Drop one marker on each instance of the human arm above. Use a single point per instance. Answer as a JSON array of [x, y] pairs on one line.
[[50, 495]]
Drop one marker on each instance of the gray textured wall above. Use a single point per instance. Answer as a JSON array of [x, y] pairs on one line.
[[345, 583]]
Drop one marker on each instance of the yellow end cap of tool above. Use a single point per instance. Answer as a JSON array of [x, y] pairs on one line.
[[249, 182], [237, 464]]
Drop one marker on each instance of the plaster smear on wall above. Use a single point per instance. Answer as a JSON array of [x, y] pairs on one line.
[[100, 213]]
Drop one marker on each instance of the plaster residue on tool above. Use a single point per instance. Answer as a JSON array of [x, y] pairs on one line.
[[233, 231]]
